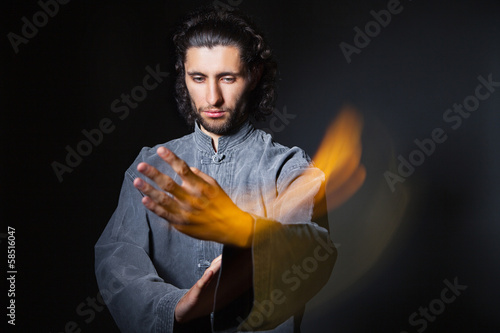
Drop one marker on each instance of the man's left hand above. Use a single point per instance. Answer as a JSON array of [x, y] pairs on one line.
[[198, 207]]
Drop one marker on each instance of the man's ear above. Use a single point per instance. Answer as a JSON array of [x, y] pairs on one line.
[[256, 75]]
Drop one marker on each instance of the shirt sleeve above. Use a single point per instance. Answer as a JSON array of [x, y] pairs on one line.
[[292, 254], [138, 299]]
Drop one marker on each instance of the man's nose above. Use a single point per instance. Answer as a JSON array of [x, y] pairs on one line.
[[214, 94]]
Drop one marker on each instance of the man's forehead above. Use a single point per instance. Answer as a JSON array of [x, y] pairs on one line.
[[215, 59]]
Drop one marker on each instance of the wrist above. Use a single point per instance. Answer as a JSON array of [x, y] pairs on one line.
[[178, 319], [247, 230]]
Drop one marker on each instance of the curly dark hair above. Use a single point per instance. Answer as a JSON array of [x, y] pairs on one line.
[[210, 27]]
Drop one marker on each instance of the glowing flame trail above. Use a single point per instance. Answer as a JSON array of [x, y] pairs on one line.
[[339, 157]]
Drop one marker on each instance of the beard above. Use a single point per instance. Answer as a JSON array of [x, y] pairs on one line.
[[235, 117]]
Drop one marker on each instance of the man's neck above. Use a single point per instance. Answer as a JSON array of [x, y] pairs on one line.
[[215, 137]]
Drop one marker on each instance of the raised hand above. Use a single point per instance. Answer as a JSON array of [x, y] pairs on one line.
[[198, 207]]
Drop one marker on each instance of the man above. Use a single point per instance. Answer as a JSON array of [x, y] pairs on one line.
[[229, 234]]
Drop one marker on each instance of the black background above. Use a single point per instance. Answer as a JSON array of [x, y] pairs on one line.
[[395, 248]]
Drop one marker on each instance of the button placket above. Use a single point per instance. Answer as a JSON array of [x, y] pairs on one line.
[[217, 158]]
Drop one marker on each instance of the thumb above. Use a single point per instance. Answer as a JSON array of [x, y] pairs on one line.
[[205, 279], [203, 176]]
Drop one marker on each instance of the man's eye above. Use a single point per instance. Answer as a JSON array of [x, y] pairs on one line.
[[228, 79], [197, 79]]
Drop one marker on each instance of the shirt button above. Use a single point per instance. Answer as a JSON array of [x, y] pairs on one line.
[[217, 158]]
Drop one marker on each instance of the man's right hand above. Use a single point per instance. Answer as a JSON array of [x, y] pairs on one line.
[[199, 300]]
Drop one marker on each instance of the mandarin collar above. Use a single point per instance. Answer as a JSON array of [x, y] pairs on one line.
[[226, 142]]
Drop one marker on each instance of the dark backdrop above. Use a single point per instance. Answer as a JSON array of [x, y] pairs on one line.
[[398, 250]]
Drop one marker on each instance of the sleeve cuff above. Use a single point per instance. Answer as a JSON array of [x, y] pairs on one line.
[[166, 311]]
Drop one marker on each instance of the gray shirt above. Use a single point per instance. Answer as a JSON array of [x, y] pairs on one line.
[[144, 265]]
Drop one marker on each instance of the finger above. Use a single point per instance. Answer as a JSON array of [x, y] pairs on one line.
[[212, 187], [159, 210], [219, 258], [216, 261], [180, 167], [157, 201], [215, 265], [165, 182], [203, 175], [159, 197], [205, 279]]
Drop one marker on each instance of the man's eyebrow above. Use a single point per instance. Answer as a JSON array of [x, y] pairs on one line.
[[229, 73], [191, 73], [195, 73]]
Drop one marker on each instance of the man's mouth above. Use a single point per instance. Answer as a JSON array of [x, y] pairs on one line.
[[214, 113]]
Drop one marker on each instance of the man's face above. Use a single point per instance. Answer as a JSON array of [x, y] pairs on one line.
[[218, 86]]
